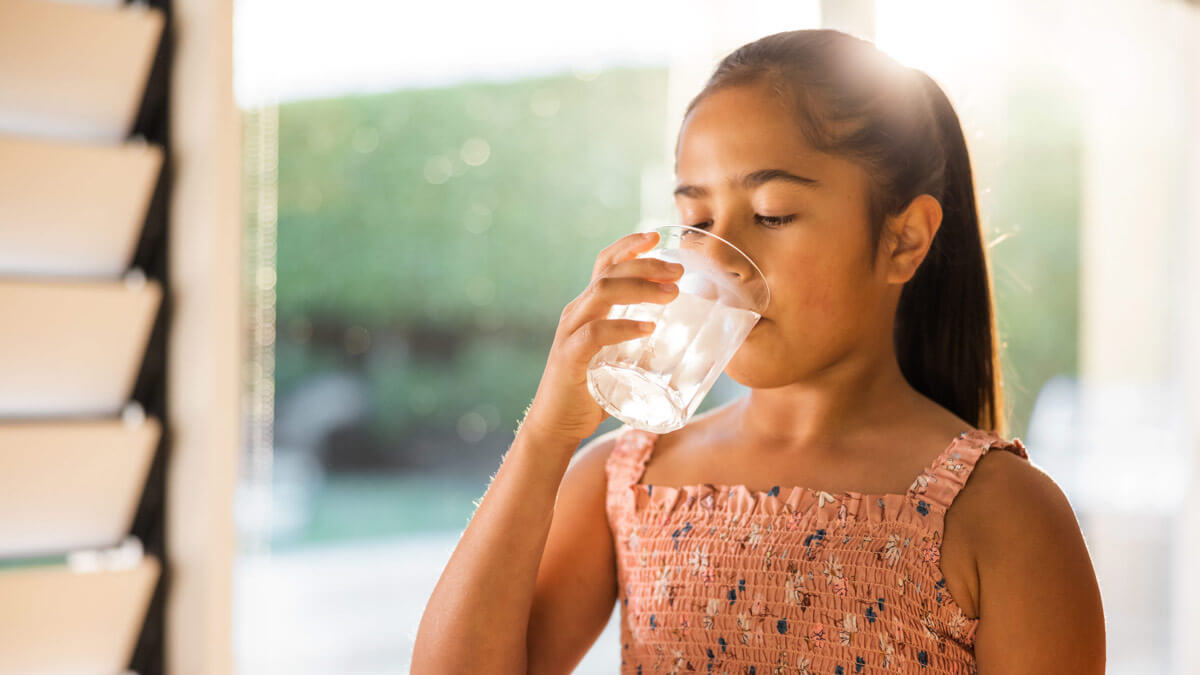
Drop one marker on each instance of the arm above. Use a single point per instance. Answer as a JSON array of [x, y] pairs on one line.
[[531, 582], [1040, 606], [498, 603], [576, 587]]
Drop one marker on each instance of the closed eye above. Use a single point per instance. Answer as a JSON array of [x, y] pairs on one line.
[[767, 221], [775, 221]]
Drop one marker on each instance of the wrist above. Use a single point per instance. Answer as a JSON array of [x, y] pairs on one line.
[[535, 428], [545, 436]]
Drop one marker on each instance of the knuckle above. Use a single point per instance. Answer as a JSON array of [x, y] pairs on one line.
[[567, 314], [588, 332]]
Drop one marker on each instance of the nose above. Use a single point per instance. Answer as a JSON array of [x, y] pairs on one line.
[[721, 246], [730, 258]]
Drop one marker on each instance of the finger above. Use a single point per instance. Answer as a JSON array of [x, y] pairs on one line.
[[624, 248], [604, 292], [647, 268], [594, 335]]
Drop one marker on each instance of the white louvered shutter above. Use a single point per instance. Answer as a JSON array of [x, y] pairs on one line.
[[75, 321]]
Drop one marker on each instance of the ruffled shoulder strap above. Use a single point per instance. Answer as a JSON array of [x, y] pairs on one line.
[[627, 462], [941, 481]]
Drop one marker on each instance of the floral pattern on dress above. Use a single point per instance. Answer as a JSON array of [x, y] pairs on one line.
[[722, 579]]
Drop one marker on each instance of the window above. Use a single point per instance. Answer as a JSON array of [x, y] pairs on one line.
[[403, 171]]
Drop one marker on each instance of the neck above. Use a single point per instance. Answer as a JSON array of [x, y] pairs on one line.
[[843, 402]]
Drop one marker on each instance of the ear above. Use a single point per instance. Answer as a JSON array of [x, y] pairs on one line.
[[910, 235]]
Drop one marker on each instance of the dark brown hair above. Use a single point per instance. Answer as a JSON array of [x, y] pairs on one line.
[[852, 100]]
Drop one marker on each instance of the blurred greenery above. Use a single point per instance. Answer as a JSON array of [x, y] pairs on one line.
[[459, 221], [366, 235], [429, 238], [1033, 218]]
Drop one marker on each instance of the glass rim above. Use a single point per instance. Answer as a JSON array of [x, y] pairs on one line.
[[731, 245]]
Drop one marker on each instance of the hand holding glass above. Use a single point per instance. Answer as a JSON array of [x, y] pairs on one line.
[[657, 382]]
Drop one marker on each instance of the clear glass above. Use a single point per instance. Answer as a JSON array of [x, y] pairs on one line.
[[657, 382]]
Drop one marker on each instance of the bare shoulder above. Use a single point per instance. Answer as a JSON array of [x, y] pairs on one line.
[[591, 457], [1037, 585], [1004, 488], [586, 473], [1008, 495]]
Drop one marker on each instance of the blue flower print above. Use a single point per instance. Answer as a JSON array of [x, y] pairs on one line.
[[818, 536], [687, 527], [922, 507]]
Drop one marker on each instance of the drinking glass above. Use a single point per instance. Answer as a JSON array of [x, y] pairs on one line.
[[657, 382]]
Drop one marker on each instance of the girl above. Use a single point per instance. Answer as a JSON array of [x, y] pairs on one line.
[[806, 527]]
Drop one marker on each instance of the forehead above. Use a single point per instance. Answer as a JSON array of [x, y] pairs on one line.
[[744, 128]]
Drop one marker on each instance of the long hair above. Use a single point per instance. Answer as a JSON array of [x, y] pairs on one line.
[[852, 100]]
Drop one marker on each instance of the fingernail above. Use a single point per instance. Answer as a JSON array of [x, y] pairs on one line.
[[666, 286]]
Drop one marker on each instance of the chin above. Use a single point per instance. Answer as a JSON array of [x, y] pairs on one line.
[[759, 379], [757, 365]]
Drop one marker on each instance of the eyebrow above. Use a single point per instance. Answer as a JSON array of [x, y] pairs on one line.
[[751, 180]]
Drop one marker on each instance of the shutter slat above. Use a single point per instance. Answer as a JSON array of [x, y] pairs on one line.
[[67, 485], [74, 348], [74, 71], [73, 210], [59, 620]]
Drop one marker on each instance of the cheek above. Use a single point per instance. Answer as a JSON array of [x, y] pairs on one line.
[[820, 290]]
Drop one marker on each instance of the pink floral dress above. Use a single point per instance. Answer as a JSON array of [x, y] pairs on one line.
[[719, 579]]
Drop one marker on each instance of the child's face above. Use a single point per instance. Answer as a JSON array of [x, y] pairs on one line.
[[827, 303]]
